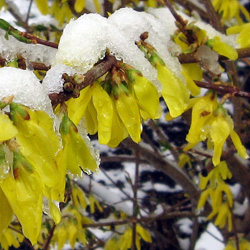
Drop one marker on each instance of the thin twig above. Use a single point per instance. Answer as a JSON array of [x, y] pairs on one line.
[[135, 203], [46, 244], [224, 89]]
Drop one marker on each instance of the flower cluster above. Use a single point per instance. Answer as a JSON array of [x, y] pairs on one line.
[[211, 121], [34, 158]]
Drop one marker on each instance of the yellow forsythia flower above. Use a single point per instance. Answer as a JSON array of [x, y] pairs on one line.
[[24, 192], [128, 111], [203, 108], [244, 244], [231, 245], [6, 212], [230, 9], [243, 31], [75, 151], [222, 48], [8, 130], [43, 6], [219, 127], [174, 91]]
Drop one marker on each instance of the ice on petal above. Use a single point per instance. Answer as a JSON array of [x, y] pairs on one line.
[[53, 82], [25, 87]]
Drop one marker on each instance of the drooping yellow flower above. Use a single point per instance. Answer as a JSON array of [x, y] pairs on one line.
[[203, 108], [104, 109], [174, 91], [75, 152], [222, 48], [24, 192], [146, 95], [230, 9], [218, 128], [128, 111], [243, 31], [38, 141]]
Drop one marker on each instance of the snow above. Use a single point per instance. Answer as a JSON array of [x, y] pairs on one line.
[[53, 82], [10, 48], [207, 241], [25, 87], [85, 40], [166, 18]]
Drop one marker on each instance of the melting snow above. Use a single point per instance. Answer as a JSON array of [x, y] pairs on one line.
[[25, 87]]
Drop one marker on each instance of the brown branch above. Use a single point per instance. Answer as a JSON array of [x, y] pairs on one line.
[[180, 22], [46, 244], [213, 16], [35, 40], [193, 7], [148, 219], [169, 168], [92, 75], [190, 58], [223, 89]]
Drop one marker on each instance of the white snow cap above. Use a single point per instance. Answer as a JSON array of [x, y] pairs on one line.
[[85, 40], [53, 82], [25, 87]]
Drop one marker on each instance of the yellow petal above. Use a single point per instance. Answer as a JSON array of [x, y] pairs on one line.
[[8, 130], [128, 111], [147, 96], [6, 212], [238, 145], [25, 198], [174, 91], [77, 106], [104, 108]]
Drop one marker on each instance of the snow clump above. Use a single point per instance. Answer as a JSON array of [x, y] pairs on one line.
[[25, 87]]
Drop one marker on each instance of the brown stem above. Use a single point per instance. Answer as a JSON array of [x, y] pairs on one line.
[[213, 16], [167, 167], [148, 219], [92, 75], [190, 58], [46, 244], [181, 23], [191, 7], [36, 40], [223, 89]]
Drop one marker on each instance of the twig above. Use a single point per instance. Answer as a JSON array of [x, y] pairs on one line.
[[213, 16], [180, 22], [190, 58], [13, 10], [36, 40], [135, 203], [148, 219], [167, 167], [91, 76], [193, 7], [28, 12], [46, 244], [223, 89]]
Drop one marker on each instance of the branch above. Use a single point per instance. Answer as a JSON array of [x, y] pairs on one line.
[[167, 167], [190, 58], [224, 89], [148, 219], [92, 75]]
